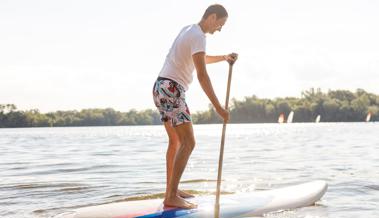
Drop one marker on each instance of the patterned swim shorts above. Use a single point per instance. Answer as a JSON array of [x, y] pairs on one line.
[[169, 98]]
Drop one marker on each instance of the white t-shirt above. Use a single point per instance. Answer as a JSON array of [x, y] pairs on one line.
[[179, 64]]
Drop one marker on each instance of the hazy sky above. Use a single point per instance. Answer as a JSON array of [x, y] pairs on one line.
[[72, 54]]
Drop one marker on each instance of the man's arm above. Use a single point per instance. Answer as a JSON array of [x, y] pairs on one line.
[[206, 85], [214, 59], [232, 57]]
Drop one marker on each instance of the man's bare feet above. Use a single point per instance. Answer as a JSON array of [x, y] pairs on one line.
[[177, 201], [184, 194]]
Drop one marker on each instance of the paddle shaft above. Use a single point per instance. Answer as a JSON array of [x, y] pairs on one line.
[[221, 157]]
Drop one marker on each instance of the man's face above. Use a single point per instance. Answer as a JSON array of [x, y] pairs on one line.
[[217, 24]]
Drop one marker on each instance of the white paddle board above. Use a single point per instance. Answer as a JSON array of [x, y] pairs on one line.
[[235, 205]]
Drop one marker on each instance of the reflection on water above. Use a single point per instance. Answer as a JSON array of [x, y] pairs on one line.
[[45, 171]]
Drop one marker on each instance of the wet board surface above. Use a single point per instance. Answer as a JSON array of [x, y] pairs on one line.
[[235, 205]]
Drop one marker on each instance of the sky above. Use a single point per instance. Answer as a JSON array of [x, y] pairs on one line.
[[76, 54]]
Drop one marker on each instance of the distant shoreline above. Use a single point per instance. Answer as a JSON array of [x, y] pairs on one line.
[[312, 106], [195, 124]]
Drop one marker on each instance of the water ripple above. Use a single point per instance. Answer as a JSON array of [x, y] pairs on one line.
[[46, 171]]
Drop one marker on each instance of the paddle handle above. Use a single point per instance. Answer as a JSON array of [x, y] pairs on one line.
[[221, 157]]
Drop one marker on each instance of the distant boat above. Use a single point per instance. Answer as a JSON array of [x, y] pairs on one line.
[[281, 118], [368, 117], [318, 118], [290, 117]]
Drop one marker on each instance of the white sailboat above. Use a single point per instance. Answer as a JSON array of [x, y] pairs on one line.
[[281, 118], [368, 117], [318, 118], [290, 117]]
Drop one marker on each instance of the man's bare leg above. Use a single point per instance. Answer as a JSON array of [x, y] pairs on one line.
[[184, 133], [173, 147]]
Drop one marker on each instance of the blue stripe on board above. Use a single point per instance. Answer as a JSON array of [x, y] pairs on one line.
[[169, 213]]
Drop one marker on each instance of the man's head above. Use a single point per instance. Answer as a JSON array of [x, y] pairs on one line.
[[214, 18]]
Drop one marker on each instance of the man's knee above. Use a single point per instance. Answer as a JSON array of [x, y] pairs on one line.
[[189, 143], [174, 142], [186, 136]]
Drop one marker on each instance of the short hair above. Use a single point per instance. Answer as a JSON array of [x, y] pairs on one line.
[[217, 9]]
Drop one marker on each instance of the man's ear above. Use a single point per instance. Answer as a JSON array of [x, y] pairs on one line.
[[214, 17]]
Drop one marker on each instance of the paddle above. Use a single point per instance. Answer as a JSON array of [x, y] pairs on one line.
[[221, 157]]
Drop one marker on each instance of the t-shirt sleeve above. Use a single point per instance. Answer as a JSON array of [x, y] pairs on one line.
[[198, 44]]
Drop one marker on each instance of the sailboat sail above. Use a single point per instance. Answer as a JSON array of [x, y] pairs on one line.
[[318, 118], [281, 118], [368, 117], [290, 117]]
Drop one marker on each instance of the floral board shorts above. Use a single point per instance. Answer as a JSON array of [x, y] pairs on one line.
[[169, 98]]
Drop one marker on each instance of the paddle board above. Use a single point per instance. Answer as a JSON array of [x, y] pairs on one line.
[[234, 205]]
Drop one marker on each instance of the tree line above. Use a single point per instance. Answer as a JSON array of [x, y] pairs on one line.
[[11, 117], [333, 106]]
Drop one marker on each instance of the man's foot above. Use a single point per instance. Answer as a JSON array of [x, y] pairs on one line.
[[178, 202], [184, 194]]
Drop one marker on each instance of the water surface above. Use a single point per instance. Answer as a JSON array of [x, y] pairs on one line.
[[45, 171]]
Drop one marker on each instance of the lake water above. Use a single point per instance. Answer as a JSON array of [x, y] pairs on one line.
[[45, 171]]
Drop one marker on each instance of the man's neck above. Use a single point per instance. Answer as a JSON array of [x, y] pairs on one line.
[[203, 26]]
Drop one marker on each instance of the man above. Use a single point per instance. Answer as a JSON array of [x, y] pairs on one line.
[[186, 54]]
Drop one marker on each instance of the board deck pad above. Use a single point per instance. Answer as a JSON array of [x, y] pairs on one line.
[[235, 205]]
